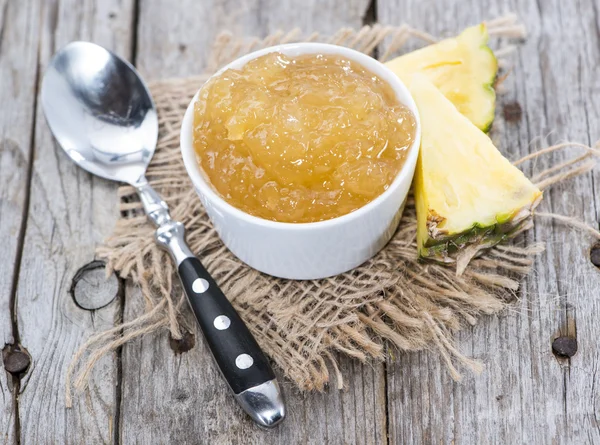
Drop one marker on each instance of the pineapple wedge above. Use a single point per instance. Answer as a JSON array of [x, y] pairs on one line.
[[463, 68], [468, 196]]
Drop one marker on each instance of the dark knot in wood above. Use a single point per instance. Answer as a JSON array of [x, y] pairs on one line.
[[91, 289], [595, 254], [512, 112], [184, 344], [564, 346], [16, 359]]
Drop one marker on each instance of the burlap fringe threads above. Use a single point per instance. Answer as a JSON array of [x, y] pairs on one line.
[[301, 325]]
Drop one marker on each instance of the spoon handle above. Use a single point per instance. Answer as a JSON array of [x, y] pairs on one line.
[[238, 356]]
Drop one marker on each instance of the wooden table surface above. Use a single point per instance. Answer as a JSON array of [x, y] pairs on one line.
[[52, 215]]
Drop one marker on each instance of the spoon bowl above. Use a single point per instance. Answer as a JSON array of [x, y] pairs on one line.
[[100, 112]]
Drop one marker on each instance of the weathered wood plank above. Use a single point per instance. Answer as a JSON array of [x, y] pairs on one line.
[[182, 398], [181, 35], [19, 37], [69, 213], [525, 395]]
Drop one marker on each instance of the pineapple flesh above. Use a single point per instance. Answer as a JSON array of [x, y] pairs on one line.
[[468, 196], [463, 68]]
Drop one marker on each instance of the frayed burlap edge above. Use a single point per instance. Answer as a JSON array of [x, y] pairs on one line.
[[301, 325]]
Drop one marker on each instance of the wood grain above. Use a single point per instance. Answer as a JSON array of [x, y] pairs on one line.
[[19, 39], [182, 398], [526, 394], [184, 394], [180, 35], [69, 213]]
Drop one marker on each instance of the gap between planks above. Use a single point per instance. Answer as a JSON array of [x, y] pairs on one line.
[[16, 379]]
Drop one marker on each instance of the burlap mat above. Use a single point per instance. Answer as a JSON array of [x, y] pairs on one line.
[[392, 299]]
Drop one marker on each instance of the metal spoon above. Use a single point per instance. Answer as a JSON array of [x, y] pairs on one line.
[[103, 117]]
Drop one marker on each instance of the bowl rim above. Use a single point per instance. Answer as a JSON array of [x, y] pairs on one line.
[[205, 188]]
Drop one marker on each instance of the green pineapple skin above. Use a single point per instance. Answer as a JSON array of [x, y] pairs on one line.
[[444, 248]]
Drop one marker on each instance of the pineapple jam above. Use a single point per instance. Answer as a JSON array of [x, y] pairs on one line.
[[300, 139]]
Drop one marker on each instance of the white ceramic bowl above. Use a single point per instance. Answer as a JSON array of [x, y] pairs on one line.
[[307, 250]]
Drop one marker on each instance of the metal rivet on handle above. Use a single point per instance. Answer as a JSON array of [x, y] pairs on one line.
[[244, 361], [222, 322], [200, 285]]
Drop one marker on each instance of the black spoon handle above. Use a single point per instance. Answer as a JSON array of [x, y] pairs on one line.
[[238, 356]]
